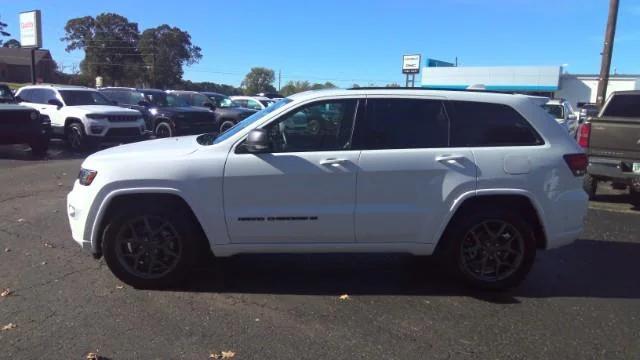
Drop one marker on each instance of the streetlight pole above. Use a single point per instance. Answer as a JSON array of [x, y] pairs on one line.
[[607, 52]]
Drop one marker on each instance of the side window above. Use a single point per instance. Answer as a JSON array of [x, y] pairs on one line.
[[402, 124], [37, 96], [477, 124], [320, 126], [252, 104], [623, 105]]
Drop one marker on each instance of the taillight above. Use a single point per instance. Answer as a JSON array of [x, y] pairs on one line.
[[584, 132], [577, 163]]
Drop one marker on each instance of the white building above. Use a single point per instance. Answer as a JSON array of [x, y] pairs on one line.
[[538, 80]]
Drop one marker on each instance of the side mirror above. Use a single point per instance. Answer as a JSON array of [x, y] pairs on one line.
[[257, 141], [572, 117], [56, 103], [144, 103], [114, 102], [211, 106]]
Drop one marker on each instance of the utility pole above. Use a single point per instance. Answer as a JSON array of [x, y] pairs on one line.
[[607, 52], [279, 78]]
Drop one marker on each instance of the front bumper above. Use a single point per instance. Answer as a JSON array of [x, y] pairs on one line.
[[77, 213]]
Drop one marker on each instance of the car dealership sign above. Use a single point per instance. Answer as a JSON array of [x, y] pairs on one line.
[[411, 64], [30, 29]]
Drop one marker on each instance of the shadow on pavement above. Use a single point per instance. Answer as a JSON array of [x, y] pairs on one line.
[[588, 268]]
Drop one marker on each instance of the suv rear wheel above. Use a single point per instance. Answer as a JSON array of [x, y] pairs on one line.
[[39, 147], [226, 125], [635, 196], [150, 246], [590, 186], [491, 249]]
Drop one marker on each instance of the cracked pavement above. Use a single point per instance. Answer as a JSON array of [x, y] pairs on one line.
[[579, 302]]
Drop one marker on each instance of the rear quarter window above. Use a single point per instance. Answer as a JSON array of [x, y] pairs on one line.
[[623, 106], [476, 124]]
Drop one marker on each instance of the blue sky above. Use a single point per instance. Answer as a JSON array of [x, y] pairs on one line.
[[351, 41]]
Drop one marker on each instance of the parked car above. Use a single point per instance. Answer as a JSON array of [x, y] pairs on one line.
[[167, 114], [83, 116], [612, 142], [563, 112], [481, 180], [587, 110], [22, 124], [253, 102], [226, 116], [130, 98]]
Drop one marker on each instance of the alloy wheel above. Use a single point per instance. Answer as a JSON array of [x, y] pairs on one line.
[[492, 251], [148, 247]]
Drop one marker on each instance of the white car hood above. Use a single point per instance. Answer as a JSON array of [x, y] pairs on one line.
[[145, 150], [105, 109]]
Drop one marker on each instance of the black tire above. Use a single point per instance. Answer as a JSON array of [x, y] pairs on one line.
[[39, 147], [175, 243], [75, 137], [163, 129], [458, 236], [590, 186], [226, 125], [634, 197]]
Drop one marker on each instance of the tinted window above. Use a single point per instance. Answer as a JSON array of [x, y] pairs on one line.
[[403, 124], [320, 126], [26, 95], [623, 106], [484, 124], [48, 95], [37, 96]]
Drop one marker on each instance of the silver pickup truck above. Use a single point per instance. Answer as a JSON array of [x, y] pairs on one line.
[[612, 142]]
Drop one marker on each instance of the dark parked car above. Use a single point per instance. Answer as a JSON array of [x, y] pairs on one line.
[[22, 124], [227, 112], [166, 114]]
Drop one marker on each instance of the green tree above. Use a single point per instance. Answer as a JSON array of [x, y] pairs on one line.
[[2, 32], [259, 79], [293, 87], [12, 43], [165, 51], [110, 43], [392, 85]]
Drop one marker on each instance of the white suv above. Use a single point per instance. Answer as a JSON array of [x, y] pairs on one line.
[[83, 116], [564, 114], [480, 179]]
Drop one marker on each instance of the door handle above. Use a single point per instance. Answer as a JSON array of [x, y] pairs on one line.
[[449, 157], [332, 161]]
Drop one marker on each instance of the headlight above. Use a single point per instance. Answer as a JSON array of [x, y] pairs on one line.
[[153, 111], [97, 116], [33, 115], [86, 176]]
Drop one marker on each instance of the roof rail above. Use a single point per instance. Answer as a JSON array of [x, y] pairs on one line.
[[431, 88]]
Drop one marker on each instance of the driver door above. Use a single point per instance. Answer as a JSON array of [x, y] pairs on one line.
[[303, 189]]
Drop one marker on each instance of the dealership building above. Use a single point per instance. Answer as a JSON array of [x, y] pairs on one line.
[[536, 80]]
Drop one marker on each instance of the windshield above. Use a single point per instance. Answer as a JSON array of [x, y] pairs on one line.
[[161, 99], [209, 139], [557, 111], [81, 97], [5, 94]]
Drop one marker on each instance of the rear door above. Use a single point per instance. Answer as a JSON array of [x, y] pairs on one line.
[[408, 175]]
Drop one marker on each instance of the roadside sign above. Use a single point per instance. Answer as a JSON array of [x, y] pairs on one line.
[[411, 64], [30, 29]]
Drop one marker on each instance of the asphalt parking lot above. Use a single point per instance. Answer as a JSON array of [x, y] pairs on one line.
[[580, 302]]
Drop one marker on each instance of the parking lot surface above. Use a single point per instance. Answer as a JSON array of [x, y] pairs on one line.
[[579, 302]]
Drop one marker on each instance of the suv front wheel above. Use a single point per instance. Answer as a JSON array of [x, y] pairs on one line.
[[490, 249], [149, 246]]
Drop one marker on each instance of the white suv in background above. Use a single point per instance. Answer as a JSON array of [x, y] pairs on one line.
[[83, 116], [564, 114], [253, 102], [480, 179]]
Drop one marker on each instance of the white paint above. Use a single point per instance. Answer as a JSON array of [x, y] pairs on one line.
[[579, 88]]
